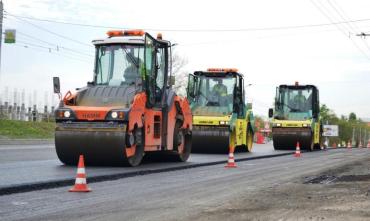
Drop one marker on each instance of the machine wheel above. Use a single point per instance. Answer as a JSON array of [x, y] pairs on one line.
[[249, 140], [317, 146], [311, 146], [181, 144], [135, 159]]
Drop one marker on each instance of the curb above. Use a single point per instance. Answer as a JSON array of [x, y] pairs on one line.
[[29, 187], [26, 141]]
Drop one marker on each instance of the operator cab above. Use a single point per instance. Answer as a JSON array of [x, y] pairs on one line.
[[216, 91], [119, 58], [296, 102]]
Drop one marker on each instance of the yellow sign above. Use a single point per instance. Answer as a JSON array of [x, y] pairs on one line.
[[9, 36]]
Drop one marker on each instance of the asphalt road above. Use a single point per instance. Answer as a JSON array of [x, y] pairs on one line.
[[22, 165], [190, 194]]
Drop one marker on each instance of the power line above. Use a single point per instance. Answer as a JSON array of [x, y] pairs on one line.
[[50, 50], [344, 16], [56, 49], [22, 45], [51, 32], [336, 24], [195, 30]]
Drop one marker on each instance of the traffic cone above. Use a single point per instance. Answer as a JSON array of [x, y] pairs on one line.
[[80, 184], [297, 150], [368, 144], [334, 145], [349, 145], [360, 145], [231, 161]]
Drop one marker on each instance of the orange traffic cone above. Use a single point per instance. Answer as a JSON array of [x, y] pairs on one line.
[[297, 151], [80, 184], [349, 145], [368, 144], [231, 162], [334, 145]]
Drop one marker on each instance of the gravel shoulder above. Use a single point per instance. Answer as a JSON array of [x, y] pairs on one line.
[[342, 193]]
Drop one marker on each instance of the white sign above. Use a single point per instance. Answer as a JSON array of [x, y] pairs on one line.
[[330, 131]]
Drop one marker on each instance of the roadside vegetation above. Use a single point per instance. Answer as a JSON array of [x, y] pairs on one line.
[[350, 127], [13, 129]]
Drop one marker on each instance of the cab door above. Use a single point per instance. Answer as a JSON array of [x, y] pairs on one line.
[[156, 70], [155, 81], [191, 89]]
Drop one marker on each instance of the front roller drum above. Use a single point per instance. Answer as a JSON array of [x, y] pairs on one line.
[[98, 147], [287, 138], [207, 139]]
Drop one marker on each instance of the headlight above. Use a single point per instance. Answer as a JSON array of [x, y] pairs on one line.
[[67, 114], [114, 115], [224, 122], [277, 125], [305, 125]]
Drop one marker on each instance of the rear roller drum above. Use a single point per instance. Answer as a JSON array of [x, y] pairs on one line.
[[249, 140], [181, 144], [134, 150]]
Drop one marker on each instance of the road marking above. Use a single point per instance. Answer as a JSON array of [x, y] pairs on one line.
[[19, 203]]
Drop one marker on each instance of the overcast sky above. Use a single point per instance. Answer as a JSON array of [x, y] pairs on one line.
[[271, 42]]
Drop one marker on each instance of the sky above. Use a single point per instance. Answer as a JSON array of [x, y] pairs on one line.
[[270, 42]]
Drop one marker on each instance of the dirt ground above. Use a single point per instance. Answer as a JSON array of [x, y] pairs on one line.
[[340, 194]]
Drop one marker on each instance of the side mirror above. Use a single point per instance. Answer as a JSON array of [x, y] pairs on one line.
[[172, 80], [271, 112], [56, 85]]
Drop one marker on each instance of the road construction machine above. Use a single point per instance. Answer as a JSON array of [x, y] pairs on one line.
[[296, 117], [221, 119], [128, 109]]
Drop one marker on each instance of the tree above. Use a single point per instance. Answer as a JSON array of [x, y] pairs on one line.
[[178, 70], [352, 117]]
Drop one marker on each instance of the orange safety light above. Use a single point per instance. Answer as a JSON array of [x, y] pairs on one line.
[[120, 115], [159, 36], [115, 33], [137, 32], [222, 70]]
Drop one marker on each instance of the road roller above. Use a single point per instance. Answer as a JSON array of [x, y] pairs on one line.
[[296, 117], [221, 119], [129, 108]]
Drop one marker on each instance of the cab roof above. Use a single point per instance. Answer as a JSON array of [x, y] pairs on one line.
[[297, 86], [219, 72]]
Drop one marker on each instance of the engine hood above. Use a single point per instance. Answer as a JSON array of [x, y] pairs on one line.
[[106, 96]]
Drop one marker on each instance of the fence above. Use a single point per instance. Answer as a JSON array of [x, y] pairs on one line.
[[20, 112]]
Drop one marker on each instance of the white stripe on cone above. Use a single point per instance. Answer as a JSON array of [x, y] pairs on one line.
[[80, 180], [81, 170]]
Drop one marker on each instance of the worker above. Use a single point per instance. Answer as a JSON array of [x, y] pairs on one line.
[[220, 89], [299, 101], [131, 72]]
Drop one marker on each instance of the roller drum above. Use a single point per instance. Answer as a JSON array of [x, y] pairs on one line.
[[287, 138], [210, 139], [100, 143]]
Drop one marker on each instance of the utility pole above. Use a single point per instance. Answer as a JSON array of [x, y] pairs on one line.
[[1, 28], [1, 32], [353, 135]]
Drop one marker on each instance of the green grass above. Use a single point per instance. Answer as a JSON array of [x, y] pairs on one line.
[[26, 130]]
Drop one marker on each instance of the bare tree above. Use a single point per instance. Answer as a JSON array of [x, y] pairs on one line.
[[178, 70]]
